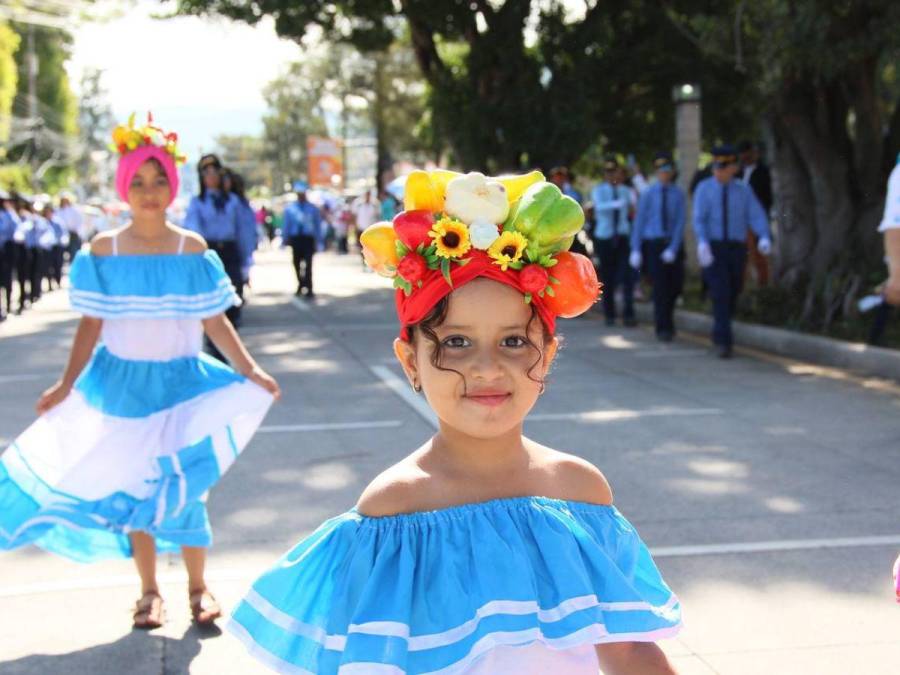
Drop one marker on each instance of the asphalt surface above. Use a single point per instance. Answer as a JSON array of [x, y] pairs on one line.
[[767, 488]]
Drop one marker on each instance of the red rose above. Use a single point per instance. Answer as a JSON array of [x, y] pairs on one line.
[[413, 268], [534, 278]]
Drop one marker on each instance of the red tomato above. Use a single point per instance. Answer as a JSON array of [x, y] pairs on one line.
[[578, 287]]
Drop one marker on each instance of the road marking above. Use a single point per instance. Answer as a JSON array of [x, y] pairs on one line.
[[420, 405], [618, 415], [773, 546], [299, 304], [25, 377], [248, 575], [329, 426], [404, 391]]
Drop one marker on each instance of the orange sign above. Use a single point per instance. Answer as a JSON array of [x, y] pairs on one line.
[[325, 167]]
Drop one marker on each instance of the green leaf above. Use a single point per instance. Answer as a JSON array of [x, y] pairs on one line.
[[462, 262], [528, 298], [552, 262], [402, 249], [420, 249], [517, 265], [445, 270], [420, 284], [549, 290], [554, 280]]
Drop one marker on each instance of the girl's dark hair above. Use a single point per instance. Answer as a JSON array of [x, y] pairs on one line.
[[438, 315], [220, 199], [238, 187]]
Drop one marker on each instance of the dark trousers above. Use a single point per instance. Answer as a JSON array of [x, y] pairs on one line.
[[7, 265], [615, 271], [55, 265], [668, 281], [39, 271], [24, 263], [725, 279], [231, 260], [74, 245], [303, 247]]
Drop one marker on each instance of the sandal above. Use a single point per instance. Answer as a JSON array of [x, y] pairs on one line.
[[148, 611], [204, 607]]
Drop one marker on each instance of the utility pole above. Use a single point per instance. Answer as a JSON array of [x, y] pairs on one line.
[[33, 122]]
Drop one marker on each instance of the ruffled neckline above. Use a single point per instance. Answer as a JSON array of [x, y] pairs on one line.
[[458, 511]]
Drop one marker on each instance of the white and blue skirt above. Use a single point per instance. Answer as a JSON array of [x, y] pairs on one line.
[[510, 586], [150, 425]]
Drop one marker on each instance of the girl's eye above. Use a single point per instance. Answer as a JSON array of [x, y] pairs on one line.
[[514, 341], [456, 342]]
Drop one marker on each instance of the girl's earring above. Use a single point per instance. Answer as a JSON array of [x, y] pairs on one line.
[[417, 387], [543, 388]]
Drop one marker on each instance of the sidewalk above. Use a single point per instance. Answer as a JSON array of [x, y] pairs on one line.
[[857, 357]]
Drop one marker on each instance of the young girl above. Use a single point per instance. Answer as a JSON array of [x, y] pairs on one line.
[[135, 433], [483, 551]]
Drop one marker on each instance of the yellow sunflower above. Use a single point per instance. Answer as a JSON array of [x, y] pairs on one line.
[[508, 249], [451, 237]]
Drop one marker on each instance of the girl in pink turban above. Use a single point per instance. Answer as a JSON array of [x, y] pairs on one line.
[[141, 424]]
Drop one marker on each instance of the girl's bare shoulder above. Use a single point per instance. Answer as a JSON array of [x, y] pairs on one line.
[[193, 242], [102, 242], [569, 477]]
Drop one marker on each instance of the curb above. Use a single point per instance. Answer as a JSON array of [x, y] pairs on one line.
[[855, 356]]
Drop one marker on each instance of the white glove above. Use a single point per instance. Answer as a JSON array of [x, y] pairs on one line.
[[764, 246], [704, 254], [635, 260], [668, 256]]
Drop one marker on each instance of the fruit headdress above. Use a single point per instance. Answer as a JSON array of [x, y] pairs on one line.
[[458, 227], [136, 145]]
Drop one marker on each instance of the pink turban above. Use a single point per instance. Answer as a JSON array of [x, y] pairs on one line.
[[132, 161]]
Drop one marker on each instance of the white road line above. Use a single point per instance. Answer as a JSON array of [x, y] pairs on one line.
[[773, 546], [404, 391], [329, 426], [248, 575], [618, 415], [24, 377]]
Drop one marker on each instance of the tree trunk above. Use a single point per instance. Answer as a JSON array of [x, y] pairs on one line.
[[825, 217]]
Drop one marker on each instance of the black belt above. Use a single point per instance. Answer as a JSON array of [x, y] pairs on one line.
[[223, 245]]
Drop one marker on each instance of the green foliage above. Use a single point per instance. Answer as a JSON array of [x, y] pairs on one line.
[[46, 142], [9, 43], [246, 156], [15, 177], [95, 122], [522, 83], [294, 112]]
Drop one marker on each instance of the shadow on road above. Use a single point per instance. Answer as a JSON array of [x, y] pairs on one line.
[[147, 652]]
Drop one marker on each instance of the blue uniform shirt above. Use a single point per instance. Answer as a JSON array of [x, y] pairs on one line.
[[302, 218], [248, 235], [220, 225], [7, 227], [654, 222], [724, 211], [610, 210], [211, 223]]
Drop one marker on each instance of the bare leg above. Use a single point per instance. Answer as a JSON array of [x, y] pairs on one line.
[[144, 549], [148, 612], [204, 607], [195, 564]]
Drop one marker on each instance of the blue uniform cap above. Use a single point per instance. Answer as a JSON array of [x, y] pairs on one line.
[[663, 162], [723, 155], [301, 186]]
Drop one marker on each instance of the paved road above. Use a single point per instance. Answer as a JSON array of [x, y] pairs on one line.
[[705, 457]]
